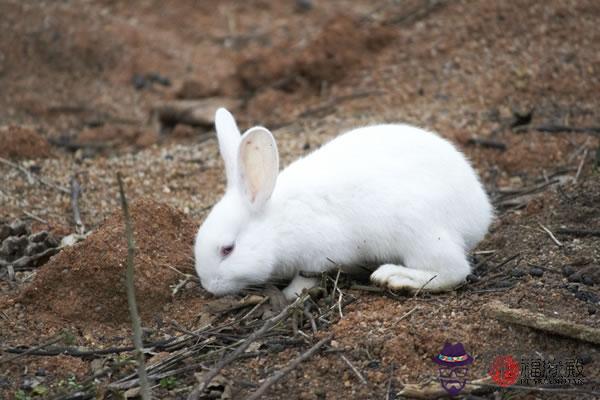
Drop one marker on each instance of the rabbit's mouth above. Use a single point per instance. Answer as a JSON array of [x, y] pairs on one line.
[[218, 287]]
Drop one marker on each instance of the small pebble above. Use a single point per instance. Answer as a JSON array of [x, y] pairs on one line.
[[304, 5], [568, 270], [587, 280], [190, 285], [276, 348], [18, 228], [587, 296], [517, 273], [536, 271], [13, 245], [158, 78], [30, 383], [35, 248], [38, 237], [51, 241], [585, 358], [504, 284], [573, 288], [138, 81], [4, 232]]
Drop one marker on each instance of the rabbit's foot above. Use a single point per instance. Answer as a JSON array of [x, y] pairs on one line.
[[294, 289], [397, 277]]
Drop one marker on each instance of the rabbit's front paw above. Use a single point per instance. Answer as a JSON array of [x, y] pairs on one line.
[[294, 289]]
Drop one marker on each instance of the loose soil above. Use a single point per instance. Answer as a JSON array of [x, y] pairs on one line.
[[79, 81]]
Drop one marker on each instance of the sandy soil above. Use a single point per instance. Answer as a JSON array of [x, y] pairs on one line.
[[506, 81]]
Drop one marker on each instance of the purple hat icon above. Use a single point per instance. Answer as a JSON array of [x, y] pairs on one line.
[[453, 355]]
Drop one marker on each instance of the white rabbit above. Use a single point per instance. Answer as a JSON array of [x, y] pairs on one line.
[[391, 194]]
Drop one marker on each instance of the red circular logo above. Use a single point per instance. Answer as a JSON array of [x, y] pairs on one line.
[[505, 370]]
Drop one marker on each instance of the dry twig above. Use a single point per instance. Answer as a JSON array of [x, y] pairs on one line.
[[75, 193], [31, 178], [286, 370], [388, 394], [433, 389], [32, 349], [580, 167], [578, 232], [594, 130], [133, 309], [541, 322], [422, 287], [489, 143], [549, 232], [270, 323], [35, 217], [353, 368]]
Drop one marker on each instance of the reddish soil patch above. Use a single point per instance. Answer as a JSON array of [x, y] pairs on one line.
[[85, 282], [19, 142], [343, 45], [111, 136]]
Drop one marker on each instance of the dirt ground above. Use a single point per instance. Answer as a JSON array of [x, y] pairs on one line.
[[514, 84]]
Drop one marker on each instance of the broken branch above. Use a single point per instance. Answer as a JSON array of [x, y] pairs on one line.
[[286, 370], [75, 193], [133, 309], [270, 323], [541, 322], [578, 232]]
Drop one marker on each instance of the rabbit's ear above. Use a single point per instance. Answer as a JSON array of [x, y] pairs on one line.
[[229, 138], [258, 166]]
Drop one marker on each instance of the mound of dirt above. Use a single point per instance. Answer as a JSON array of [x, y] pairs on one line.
[[342, 46], [19, 142], [86, 282]]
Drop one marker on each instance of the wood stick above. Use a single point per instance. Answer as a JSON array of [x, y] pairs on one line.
[[580, 167], [270, 323], [541, 322], [353, 368], [133, 309], [578, 232], [31, 350], [423, 287], [25, 172], [75, 193], [35, 217], [564, 128], [405, 315], [541, 389], [287, 369], [492, 144], [31, 178], [549, 232], [388, 394], [434, 390], [197, 113]]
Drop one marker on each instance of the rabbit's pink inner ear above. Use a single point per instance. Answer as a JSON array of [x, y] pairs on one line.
[[229, 138], [258, 166]]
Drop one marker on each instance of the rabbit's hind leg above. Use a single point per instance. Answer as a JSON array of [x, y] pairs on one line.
[[434, 270], [397, 277]]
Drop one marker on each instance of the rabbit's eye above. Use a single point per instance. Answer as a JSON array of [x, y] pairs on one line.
[[226, 250]]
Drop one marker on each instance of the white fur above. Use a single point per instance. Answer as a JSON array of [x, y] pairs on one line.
[[387, 194]]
